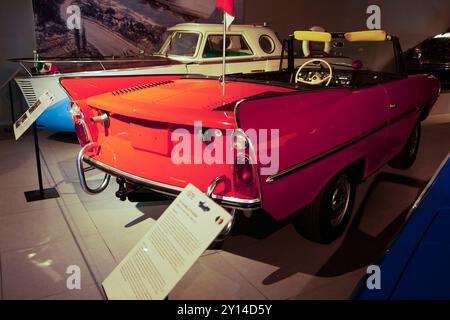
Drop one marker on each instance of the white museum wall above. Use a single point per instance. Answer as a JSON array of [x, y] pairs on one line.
[[16, 40]]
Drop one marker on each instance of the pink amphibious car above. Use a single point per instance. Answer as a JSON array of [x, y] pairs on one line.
[[296, 141]]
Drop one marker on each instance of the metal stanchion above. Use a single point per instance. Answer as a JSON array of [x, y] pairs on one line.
[[13, 116], [41, 193]]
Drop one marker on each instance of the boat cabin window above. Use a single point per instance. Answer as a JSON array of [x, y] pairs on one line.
[[236, 46], [267, 44], [181, 44]]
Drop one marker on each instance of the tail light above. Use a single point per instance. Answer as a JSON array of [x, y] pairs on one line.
[[81, 128], [245, 171]]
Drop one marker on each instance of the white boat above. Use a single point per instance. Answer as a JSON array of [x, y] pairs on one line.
[[190, 48]]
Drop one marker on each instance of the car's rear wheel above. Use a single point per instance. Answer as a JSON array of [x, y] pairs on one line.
[[405, 159], [326, 218]]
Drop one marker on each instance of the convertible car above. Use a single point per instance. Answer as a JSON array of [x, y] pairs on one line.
[[432, 56], [346, 111], [190, 48]]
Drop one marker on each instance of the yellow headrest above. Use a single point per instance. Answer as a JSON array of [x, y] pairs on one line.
[[312, 36], [369, 35]]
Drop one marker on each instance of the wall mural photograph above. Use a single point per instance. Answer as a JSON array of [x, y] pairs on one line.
[[84, 28]]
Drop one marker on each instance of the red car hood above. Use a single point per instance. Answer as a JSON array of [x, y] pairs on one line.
[[181, 101]]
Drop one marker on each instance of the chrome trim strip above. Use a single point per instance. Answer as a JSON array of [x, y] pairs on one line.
[[336, 149], [252, 153], [80, 61], [239, 60], [83, 124], [213, 185], [170, 190], [236, 111]]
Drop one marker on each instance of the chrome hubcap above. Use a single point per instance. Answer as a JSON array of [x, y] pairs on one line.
[[340, 201]]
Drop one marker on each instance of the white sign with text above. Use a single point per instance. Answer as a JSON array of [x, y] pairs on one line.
[[169, 249], [31, 115]]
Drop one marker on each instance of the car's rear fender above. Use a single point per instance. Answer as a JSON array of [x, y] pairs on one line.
[[428, 90], [315, 178], [313, 148]]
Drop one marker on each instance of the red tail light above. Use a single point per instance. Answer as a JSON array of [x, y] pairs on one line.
[[245, 174], [81, 128]]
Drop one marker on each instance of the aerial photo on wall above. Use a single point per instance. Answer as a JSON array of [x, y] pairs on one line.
[[105, 28]]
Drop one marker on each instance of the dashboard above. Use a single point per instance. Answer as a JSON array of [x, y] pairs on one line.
[[340, 77]]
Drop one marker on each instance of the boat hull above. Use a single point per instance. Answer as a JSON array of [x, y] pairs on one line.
[[56, 117]]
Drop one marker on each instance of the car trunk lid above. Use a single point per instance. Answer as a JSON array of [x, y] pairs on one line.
[[180, 101]]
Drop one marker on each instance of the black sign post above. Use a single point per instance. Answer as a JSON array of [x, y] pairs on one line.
[[13, 119], [41, 193]]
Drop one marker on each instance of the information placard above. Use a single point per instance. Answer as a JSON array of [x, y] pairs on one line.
[[31, 115], [169, 249]]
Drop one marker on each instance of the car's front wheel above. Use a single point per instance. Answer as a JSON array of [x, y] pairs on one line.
[[326, 218], [405, 159]]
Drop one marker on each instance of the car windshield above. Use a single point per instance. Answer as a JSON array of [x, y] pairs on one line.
[[378, 56], [180, 44]]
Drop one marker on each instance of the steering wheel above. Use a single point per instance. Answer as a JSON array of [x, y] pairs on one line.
[[316, 79]]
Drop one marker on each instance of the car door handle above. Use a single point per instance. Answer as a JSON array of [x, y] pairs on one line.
[[393, 105]]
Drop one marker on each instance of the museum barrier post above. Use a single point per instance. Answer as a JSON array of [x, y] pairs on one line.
[[41, 193]]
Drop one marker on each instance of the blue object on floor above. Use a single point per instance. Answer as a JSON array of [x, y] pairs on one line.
[[57, 118], [417, 266]]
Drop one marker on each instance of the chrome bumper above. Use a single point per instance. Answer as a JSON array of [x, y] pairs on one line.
[[162, 188]]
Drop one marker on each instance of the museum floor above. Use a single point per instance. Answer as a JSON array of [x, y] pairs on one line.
[[262, 260]]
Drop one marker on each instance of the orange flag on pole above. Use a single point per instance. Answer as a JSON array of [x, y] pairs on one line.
[[228, 16]]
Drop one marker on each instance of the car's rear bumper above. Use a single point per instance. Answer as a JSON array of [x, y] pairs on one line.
[[171, 190]]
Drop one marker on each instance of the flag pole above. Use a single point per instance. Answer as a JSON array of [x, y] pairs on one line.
[[224, 51]]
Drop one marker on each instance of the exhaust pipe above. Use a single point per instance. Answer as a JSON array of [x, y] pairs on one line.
[[102, 118]]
